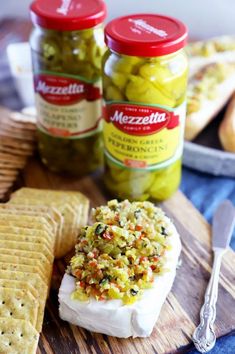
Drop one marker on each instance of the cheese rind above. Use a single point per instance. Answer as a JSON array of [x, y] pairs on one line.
[[113, 318]]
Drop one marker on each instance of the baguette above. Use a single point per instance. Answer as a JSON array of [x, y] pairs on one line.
[[227, 128], [214, 50], [208, 92]]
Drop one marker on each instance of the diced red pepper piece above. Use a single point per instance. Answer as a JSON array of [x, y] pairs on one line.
[[78, 273], [93, 264], [107, 235], [139, 227]]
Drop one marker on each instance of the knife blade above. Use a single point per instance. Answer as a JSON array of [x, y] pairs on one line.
[[223, 224]]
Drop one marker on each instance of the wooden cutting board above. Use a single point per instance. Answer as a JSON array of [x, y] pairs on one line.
[[180, 313]]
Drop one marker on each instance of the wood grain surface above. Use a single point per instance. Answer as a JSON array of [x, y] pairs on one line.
[[180, 313]]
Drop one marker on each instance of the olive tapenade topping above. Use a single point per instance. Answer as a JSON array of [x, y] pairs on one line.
[[120, 262]]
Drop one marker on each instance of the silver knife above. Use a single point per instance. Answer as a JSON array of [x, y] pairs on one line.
[[223, 223]]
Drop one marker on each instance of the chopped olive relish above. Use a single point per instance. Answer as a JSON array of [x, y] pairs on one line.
[[119, 255]]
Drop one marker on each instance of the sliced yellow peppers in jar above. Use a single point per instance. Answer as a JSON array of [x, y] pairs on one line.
[[149, 81]]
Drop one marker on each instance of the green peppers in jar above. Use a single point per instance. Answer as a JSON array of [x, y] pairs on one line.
[[67, 52], [144, 88]]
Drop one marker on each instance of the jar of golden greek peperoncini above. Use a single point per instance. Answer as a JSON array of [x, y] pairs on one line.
[[144, 80], [67, 47]]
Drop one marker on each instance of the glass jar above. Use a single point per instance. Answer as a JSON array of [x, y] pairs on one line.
[[144, 87], [67, 47]]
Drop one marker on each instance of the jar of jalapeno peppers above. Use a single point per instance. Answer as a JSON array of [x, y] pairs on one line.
[[67, 47], [144, 80]]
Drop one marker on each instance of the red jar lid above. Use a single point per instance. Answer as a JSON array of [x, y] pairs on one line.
[[146, 35], [67, 15]]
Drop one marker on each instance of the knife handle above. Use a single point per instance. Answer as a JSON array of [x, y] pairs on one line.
[[204, 336]]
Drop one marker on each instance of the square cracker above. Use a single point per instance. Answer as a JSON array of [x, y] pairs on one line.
[[18, 222], [26, 219], [51, 211], [69, 230], [9, 258], [84, 201], [9, 171], [13, 151], [27, 117], [28, 246], [18, 304], [75, 198], [6, 179], [10, 158], [75, 215], [16, 126], [17, 336], [20, 134], [16, 267], [53, 215], [4, 163], [4, 186], [41, 205], [28, 254], [66, 203], [34, 280], [48, 213], [23, 211], [25, 231], [17, 144], [20, 285], [64, 240], [28, 238]]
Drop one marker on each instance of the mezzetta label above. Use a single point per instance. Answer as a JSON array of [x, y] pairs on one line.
[[70, 89], [67, 106], [139, 136]]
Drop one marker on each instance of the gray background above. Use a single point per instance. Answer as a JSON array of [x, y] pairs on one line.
[[205, 18]]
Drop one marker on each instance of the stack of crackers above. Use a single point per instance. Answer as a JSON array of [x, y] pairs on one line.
[[27, 243], [34, 226], [69, 209], [17, 143]]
